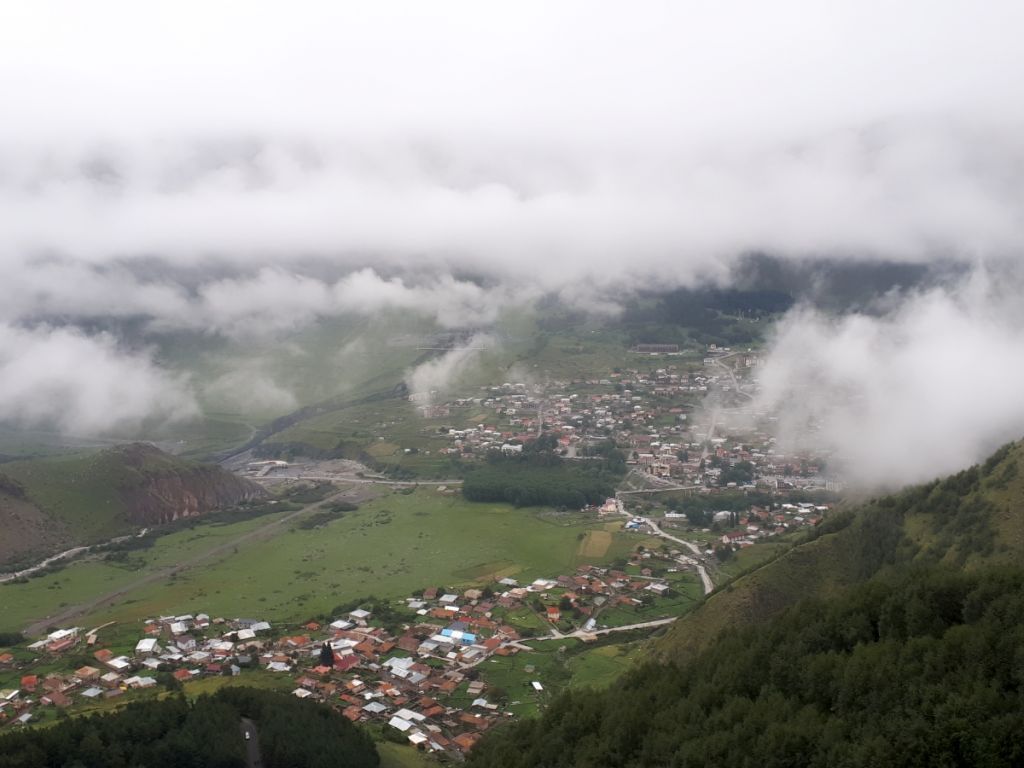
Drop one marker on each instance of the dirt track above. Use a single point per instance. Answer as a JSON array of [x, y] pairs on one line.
[[260, 534]]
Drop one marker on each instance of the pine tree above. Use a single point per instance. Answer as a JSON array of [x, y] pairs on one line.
[[326, 655]]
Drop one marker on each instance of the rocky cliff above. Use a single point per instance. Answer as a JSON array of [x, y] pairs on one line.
[[171, 495], [159, 488], [61, 501]]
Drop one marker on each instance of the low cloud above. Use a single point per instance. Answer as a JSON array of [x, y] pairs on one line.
[[272, 300], [79, 384], [250, 173], [923, 390], [250, 390], [439, 377], [279, 300], [577, 221]]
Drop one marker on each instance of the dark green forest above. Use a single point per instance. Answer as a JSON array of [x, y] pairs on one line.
[[924, 669], [539, 477], [890, 636], [206, 733], [707, 315]]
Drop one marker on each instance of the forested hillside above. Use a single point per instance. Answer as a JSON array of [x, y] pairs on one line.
[[892, 636], [970, 519], [203, 734], [924, 670]]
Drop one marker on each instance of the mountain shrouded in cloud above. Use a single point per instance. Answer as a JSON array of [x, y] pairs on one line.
[[905, 395], [219, 168]]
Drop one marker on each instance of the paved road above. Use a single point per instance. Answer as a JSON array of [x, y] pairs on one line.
[[253, 759], [705, 579], [732, 374], [666, 489], [347, 479], [580, 634]]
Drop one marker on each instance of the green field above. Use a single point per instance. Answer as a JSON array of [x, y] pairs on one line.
[[399, 756], [687, 593], [601, 666], [242, 384], [749, 558], [392, 545], [44, 595], [555, 664], [382, 430]]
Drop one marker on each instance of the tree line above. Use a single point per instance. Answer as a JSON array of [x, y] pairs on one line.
[[920, 669], [205, 733], [914, 663], [539, 477]]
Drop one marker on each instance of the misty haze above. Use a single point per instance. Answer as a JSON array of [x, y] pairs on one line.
[[397, 384]]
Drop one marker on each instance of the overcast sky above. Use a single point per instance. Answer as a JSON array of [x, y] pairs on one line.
[[199, 162], [548, 141]]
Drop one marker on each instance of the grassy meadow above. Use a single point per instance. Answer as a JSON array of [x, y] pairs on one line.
[[555, 665], [392, 545]]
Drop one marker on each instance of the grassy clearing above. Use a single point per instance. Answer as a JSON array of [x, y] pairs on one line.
[[750, 557], [523, 618], [600, 667], [79, 582], [106, 706], [250, 678], [382, 430], [624, 544], [214, 432], [687, 594], [44, 596], [391, 546], [555, 665], [514, 675], [340, 357], [399, 756], [595, 543]]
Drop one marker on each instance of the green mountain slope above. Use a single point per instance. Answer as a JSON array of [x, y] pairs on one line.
[[919, 670], [892, 637], [27, 530], [970, 519], [81, 498]]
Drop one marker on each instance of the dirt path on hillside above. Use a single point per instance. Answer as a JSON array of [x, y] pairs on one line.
[[162, 574], [583, 634]]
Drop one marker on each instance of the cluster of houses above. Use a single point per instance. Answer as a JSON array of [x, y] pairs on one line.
[[746, 529], [186, 647], [416, 673], [422, 681], [650, 412], [405, 681]]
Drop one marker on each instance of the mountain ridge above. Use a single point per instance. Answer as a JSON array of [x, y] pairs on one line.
[[964, 520], [83, 498], [891, 636]]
